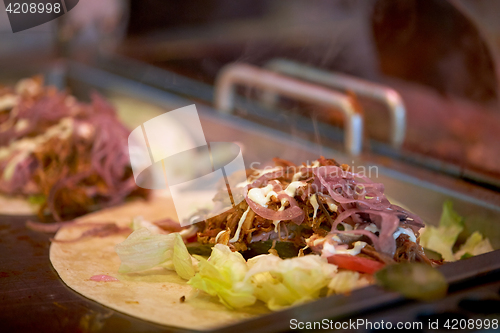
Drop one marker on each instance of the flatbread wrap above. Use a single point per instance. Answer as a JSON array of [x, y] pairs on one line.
[[122, 272], [154, 295]]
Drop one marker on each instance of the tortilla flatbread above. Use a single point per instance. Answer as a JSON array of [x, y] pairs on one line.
[[153, 295], [16, 206]]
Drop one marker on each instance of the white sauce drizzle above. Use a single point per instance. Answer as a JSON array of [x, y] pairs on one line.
[[329, 249], [291, 189], [315, 164], [296, 176], [277, 222], [347, 226], [405, 231], [26, 146], [331, 204], [314, 203], [240, 223], [219, 234], [262, 195], [372, 227]]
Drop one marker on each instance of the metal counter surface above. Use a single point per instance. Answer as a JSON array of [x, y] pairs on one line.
[[34, 299]]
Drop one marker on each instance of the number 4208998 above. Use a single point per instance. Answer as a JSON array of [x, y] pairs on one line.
[[33, 7], [455, 324]]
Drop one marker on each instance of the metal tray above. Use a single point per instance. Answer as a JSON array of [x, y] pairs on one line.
[[29, 285]]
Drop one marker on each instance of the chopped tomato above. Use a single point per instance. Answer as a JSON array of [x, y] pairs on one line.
[[353, 263], [192, 239]]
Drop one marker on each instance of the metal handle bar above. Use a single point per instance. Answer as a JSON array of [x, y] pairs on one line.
[[386, 95], [243, 74]]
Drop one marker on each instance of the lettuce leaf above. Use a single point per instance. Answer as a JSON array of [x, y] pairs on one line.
[[183, 264], [345, 282], [277, 282], [144, 249], [285, 282], [442, 238], [223, 275], [473, 246]]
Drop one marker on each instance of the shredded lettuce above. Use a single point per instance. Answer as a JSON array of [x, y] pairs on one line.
[[277, 282], [345, 282], [285, 282], [144, 249], [223, 275], [473, 246], [183, 264], [442, 238]]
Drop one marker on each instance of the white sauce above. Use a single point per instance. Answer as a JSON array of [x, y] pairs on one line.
[[315, 164], [291, 189], [347, 226], [329, 249], [372, 228], [331, 204], [26, 146], [261, 195], [314, 203], [240, 223], [277, 222], [405, 231], [219, 234], [296, 176]]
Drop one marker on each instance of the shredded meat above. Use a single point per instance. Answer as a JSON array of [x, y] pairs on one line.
[[370, 252], [264, 229], [320, 213], [409, 251], [72, 155]]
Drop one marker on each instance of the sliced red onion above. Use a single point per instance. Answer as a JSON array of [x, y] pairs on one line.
[[342, 216], [415, 219], [263, 180], [291, 213], [386, 241]]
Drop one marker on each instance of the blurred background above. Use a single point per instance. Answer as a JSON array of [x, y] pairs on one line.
[[441, 57]]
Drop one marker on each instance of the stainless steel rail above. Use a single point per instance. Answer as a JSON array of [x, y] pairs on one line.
[[388, 96], [243, 74]]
